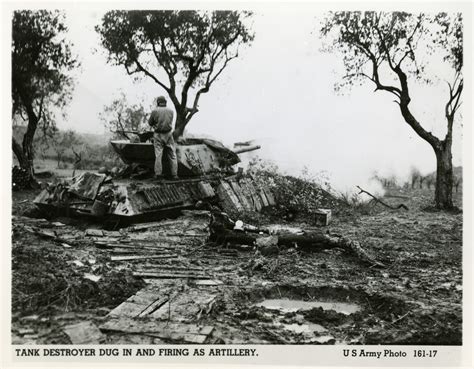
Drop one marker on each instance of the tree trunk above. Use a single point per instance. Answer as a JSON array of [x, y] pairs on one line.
[[18, 151], [28, 138], [180, 124], [24, 153], [24, 161], [444, 176]]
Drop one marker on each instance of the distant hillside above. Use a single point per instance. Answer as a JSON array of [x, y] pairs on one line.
[[92, 139]]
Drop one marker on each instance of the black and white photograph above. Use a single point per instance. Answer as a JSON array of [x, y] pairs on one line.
[[230, 177]]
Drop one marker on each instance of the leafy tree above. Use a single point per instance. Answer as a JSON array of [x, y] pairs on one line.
[[41, 60], [387, 49], [120, 116], [184, 52]]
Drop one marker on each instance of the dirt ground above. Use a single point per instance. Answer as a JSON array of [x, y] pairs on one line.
[[415, 299]]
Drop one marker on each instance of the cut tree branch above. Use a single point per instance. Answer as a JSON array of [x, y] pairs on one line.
[[401, 206]]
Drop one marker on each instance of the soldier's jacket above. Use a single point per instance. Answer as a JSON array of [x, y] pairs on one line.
[[161, 119]]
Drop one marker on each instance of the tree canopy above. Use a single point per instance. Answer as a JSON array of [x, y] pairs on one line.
[[41, 62], [182, 51], [41, 58], [373, 43]]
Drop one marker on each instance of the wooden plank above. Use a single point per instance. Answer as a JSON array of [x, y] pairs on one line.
[[141, 257], [209, 282], [206, 330], [186, 306], [238, 191], [94, 232], [263, 198], [145, 325], [270, 197], [146, 251], [248, 194], [186, 337], [190, 333], [227, 197], [157, 268], [153, 307], [170, 275], [144, 297], [134, 246], [127, 309], [143, 226], [253, 192], [233, 196], [84, 333]]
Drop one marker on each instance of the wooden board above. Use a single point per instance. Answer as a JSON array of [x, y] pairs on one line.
[[247, 191], [84, 333], [227, 197], [128, 309], [270, 197], [257, 202], [239, 193], [141, 257], [263, 198], [185, 306], [190, 333], [170, 275]]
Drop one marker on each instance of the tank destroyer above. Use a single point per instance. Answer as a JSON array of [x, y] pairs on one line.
[[206, 170]]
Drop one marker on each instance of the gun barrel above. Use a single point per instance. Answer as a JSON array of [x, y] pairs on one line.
[[246, 149]]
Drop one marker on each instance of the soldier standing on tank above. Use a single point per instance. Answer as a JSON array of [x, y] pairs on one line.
[[161, 120]]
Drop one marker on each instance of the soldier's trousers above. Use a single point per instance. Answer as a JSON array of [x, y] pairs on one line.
[[164, 143]]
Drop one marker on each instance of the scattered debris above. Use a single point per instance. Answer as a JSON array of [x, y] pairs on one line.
[[199, 277], [305, 242]]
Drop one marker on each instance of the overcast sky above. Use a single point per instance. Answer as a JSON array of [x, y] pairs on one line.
[[280, 93]]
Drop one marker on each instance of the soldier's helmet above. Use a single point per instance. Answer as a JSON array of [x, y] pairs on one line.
[[160, 100]]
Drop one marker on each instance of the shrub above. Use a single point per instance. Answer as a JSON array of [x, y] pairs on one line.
[[301, 195]]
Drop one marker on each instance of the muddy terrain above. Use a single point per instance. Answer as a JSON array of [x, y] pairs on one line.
[[73, 282]]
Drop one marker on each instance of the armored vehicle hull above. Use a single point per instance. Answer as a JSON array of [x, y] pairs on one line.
[[205, 171], [195, 156]]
